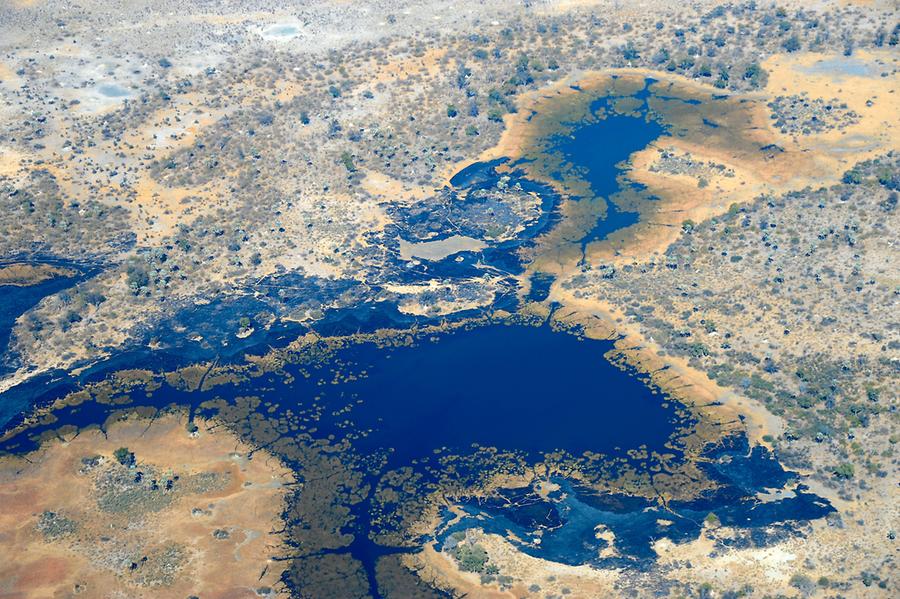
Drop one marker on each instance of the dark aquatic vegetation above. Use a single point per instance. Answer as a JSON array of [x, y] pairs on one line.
[[540, 287], [504, 209], [563, 527]]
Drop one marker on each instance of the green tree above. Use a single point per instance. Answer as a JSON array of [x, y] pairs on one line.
[[347, 160], [844, 471], [852, 177], [792, 44], [124, 456], [755, 74], [137, 278], [471, 558]]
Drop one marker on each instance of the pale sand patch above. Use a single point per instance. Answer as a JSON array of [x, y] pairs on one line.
[[410, 296], [6, 72], [394, 71], [10, 161], [386, 188], [876, 130], [160, 208], [769, 565], [438, 250], [440, 569]]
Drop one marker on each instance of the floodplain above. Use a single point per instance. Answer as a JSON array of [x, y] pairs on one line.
[[567, 299]]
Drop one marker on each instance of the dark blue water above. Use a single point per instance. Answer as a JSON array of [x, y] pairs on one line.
[[594, 151], [478, 174], [514, 387], [15, 301], [615, 219], [511, 387], [522, 388], [508, 386], [598, 149], [597, 152], [217, 323]]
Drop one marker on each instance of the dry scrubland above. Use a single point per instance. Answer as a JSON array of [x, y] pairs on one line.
[[198, 153]]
